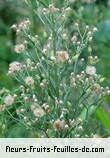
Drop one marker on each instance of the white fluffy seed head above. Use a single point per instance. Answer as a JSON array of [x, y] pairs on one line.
[[29, 80], [14, 67], [61, 56], [90, 70], [19, 48], [9, 100], [37, 110]]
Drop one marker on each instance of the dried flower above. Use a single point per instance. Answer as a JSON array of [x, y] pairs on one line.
[[14, 67], [24, 25], [19, 48], [37, 110], [53, 9], [62, 56], [58, 124], [9, 100], [29, 80], [90, 70], [96, 87]]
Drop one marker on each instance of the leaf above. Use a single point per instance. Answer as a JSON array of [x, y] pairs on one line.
[[102, 116], [17, 131], [87, 113]]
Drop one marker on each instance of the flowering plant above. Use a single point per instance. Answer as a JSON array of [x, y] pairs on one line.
[[57, 89]]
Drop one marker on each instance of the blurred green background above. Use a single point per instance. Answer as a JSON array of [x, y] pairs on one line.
[[13, 11]]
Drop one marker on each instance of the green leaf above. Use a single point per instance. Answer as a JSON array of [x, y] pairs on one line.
[[86, 113], [102, 116]]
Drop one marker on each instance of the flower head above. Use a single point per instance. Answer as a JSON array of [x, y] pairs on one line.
[[90, 70], [9, 100], [37, 110], [29, 80], [58, 124], [19, 48], [62, 56], [14, 66], [24, 25]]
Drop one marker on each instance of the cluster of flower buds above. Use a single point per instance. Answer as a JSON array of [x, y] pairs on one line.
[[43, 83], [93, 60], [54, 10], [66, 11], [50, 9], [80, 39], [73, 80], [35, 38], [90, 33], [18, 111], [22, 26], [47, 46], [14, 67]]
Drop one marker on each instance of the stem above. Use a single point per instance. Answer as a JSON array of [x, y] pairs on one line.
[[69, 131], [54, 35]]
